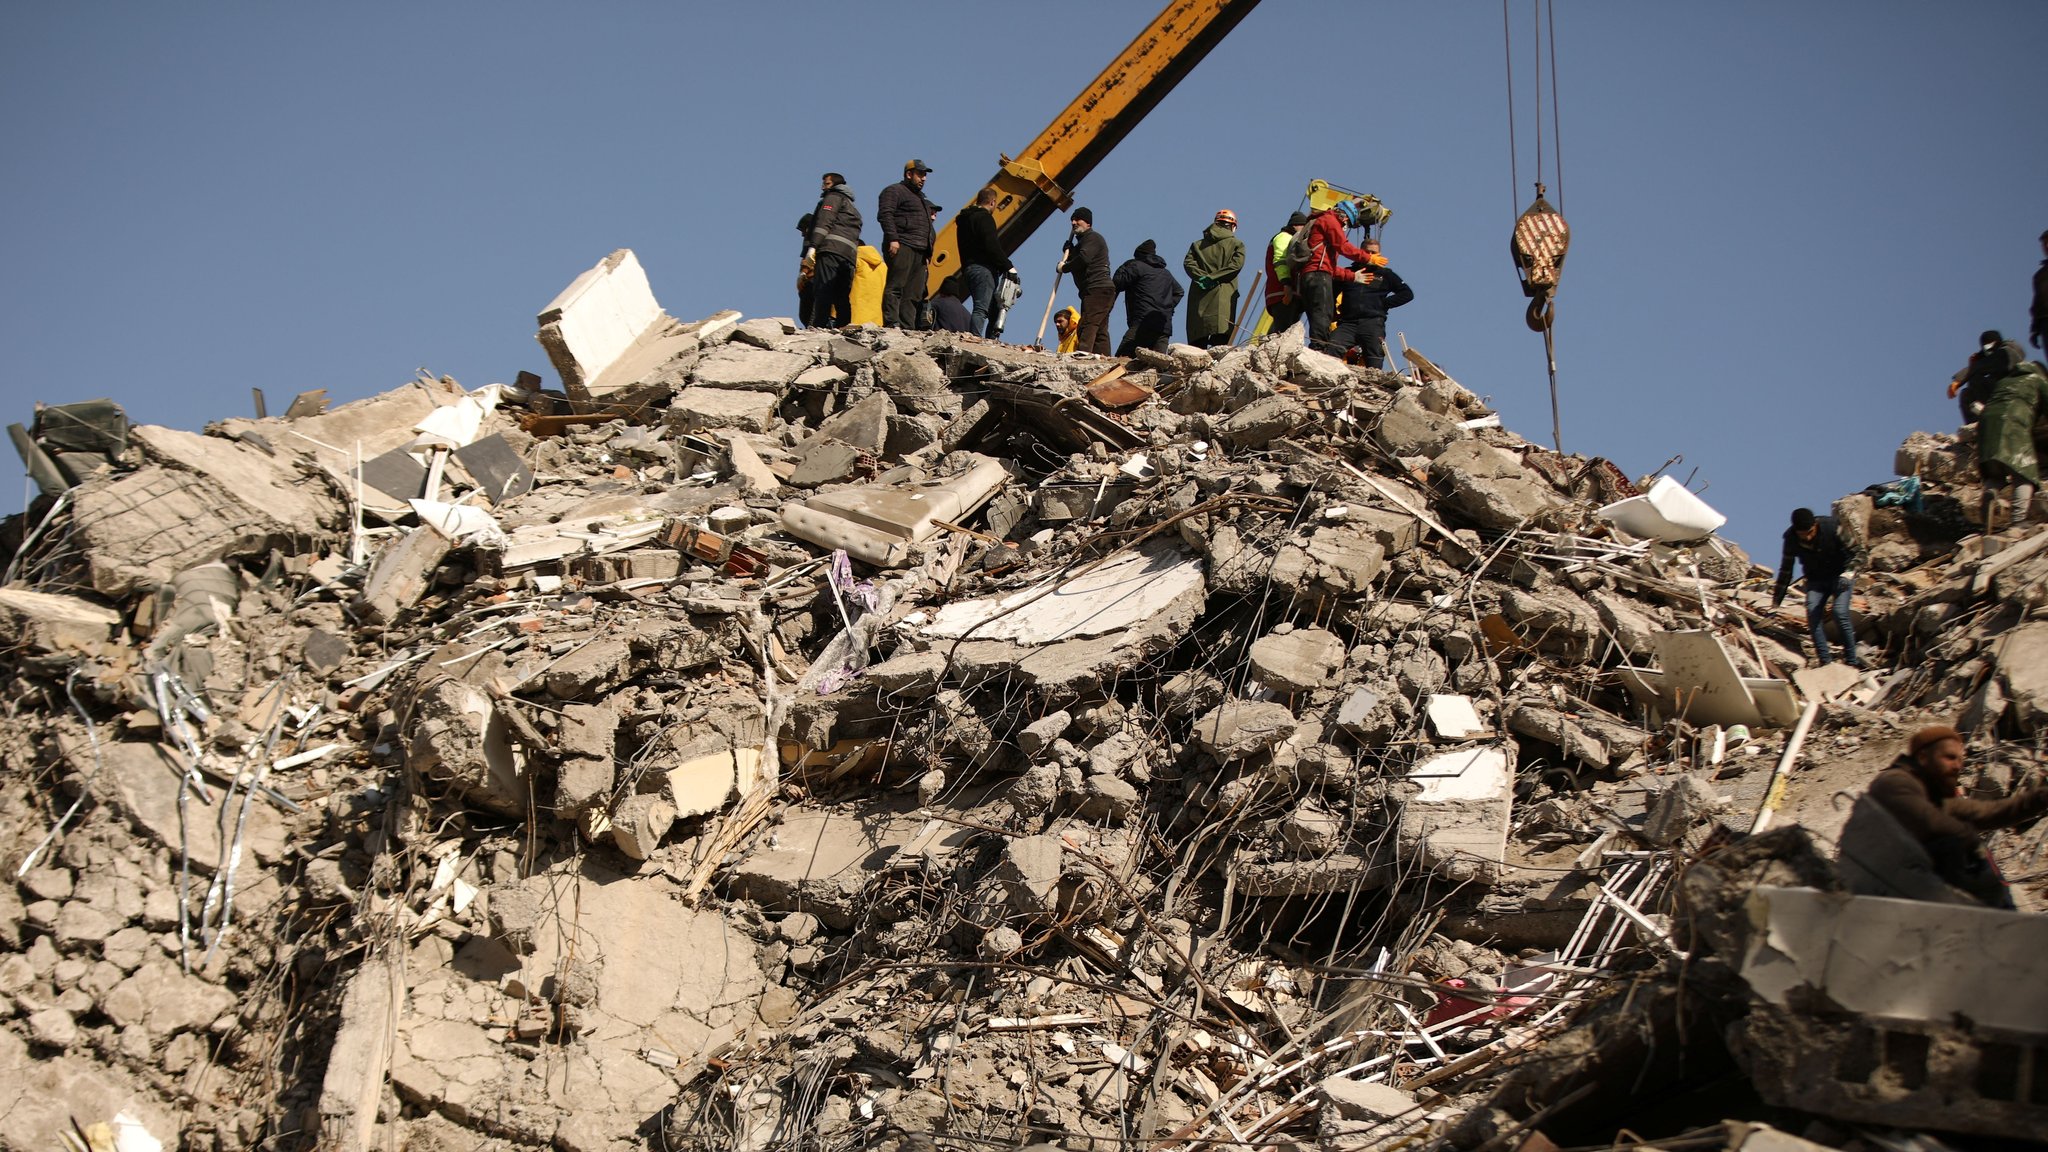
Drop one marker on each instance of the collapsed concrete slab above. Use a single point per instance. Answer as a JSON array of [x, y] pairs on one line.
[[204, 499], [47, 622], [143, 780], [880, 523]]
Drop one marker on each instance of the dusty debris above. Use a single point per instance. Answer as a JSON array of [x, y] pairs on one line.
[[783, 737]]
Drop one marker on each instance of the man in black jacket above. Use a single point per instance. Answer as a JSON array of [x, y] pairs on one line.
[[906, 219], [982, 259], [1086, 258], [2037, 327], [1830, 557], [1150, 296], [833, 243], [1362, 314]]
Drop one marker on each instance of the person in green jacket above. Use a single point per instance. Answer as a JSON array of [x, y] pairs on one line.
[[1212, 264], [2005, 436]]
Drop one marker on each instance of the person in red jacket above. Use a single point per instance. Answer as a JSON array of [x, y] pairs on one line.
[[1327, 243]]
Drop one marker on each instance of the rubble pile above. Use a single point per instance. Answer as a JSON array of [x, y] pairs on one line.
[[803, 738]]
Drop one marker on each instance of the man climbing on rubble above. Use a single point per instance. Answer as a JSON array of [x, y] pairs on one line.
[[906, 219], [2006, 452], [1829, 557], [1942, 828], [981, 258], [1283, 304], [831, 247], [1995, 356], [1212, 264], [1362, 313], [1086, 258], [1321, 273], [1150, 295]]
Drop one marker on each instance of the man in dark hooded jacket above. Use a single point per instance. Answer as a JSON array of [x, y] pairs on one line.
[[831, 247], [1150, 296]]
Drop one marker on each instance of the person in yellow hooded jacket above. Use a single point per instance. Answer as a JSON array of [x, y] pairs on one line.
[[1067, 322]]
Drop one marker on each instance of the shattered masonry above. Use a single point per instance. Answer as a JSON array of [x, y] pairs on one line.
[[795, 738]]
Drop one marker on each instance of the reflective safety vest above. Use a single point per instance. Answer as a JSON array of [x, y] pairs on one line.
[[1279, 254]]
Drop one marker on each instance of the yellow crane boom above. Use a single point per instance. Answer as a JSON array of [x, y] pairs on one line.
[[1041, 180]]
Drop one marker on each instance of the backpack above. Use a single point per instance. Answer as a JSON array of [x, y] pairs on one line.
[[1298, 255]]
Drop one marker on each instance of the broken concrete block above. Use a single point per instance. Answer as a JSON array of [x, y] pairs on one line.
[[863, 424], [1355, 1100], [825, 461], [1318, 371], [1263, 421], [702, 783], [457, 739], [639, 823], [737, 367], [360, 1059], [754, 475], [1408, 428], [1683, 803], [597, 320], [1036, 736], [401, 575], [601, 665], [1825, 682], [1107, 798], [1241, 728], [1458, 823], [1030, 874], [1453, 717], [1492, 488], [46, 622], [1311, 830], [878, 523], [2023, 663], [910, 372], [700, 409], [1298, 660]]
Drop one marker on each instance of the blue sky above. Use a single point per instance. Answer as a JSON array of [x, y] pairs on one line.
[[1789, 220]]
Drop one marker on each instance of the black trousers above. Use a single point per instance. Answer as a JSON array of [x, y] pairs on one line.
[[1284, 313], [1152, 332], [831, 292], [904, 290], [1093, 334], [1319, 301], [1368, 334]]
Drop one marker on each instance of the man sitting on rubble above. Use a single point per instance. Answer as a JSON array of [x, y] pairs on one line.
[[1829, 556], [1916, 837]]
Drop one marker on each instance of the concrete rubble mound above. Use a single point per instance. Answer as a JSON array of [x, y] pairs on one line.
[[787, 738]]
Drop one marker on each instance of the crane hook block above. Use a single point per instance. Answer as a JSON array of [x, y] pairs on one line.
[[1540, 239]]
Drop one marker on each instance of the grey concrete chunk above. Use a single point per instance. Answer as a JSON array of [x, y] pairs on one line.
[[1241, 728], [739, 367], [1300, 660], [699, 408]]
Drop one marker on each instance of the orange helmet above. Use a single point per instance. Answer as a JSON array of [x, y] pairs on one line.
[[1226, 216]]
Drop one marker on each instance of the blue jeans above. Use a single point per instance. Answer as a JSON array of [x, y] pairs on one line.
[[981, 284], [1816, 618]]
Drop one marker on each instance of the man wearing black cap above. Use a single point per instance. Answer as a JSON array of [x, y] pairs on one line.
[[906, 219], [1830, 558], [1086, 258]]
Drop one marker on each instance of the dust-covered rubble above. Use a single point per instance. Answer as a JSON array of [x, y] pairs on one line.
[[869, 738]]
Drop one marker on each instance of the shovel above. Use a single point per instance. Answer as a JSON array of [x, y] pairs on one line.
[[1039, 343]]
